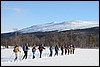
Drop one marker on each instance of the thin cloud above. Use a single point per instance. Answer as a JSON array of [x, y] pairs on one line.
[[14, 9]]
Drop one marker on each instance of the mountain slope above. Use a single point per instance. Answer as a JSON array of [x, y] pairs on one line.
[[60, 26]]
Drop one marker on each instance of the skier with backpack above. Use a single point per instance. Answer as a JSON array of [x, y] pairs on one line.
[[65, 47], [51, 51], [71, 49], [62, 49], [16, 50], [25, 49], [68, 49], [41, 47], [56, 50], [34, 50]]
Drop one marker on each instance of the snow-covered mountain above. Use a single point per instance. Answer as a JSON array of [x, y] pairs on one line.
[[61, 26]]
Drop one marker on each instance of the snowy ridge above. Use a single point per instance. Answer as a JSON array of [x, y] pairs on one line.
[[61, 26]]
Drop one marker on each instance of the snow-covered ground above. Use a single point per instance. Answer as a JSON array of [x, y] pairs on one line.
[[82, 57]]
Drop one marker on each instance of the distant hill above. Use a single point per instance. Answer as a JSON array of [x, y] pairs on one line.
[[60, 26], [94, 30]]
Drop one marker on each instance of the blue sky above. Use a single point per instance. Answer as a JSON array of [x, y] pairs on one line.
[[22, 14]]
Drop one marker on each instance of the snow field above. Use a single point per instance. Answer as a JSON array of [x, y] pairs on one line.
[[82, 57]]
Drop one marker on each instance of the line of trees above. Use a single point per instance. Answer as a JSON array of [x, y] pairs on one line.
[[79, 39]]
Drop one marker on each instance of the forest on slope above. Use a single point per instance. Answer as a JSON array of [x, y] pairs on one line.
[[81, 38]]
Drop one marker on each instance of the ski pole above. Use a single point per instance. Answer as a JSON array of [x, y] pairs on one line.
[[20, 56], [29, 56], [11, 56], [45, 52]]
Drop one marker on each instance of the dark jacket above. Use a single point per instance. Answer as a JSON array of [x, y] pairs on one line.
[[33, 49], [41, 48], [62, 47], [51, 48], [56, 48], [25, 47]]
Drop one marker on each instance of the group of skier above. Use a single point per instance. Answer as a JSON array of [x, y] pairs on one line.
[[64, 48], [25, 49], [17, 49]]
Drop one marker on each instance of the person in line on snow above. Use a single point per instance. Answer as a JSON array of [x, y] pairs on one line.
[[41, 47], [34, 50], [65, 46], [72, 47], [25, 49], [51, 50], [56, 50], [16, 50], [62, 49]]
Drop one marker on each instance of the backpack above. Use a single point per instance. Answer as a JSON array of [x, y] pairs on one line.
[[33, 49], [26, 47], [16, 49], [56, 48], [50, 48]]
